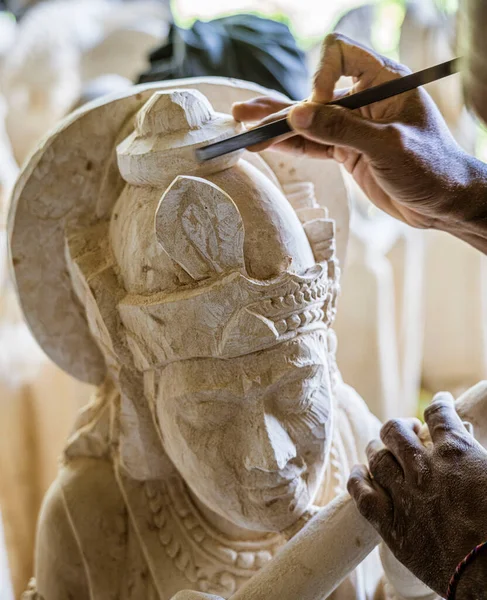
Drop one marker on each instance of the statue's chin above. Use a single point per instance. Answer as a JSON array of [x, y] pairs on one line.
[[275, 516], [277, 523], [257, 511]]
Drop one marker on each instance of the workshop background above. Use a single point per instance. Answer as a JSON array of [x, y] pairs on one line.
[[412, 316]]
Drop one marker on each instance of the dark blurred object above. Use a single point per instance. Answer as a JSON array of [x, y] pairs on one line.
[[473, 46], [242, 46], [17, 7]]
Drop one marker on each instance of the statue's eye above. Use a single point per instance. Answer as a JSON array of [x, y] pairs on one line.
[[207, 409], [298, 394], [300, 401]]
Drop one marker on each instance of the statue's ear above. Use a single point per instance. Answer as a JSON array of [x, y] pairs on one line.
[[200, 227]]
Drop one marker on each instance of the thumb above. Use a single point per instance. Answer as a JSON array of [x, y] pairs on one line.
[[337, 126]]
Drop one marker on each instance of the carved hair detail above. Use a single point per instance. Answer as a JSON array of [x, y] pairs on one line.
[[200, 228]]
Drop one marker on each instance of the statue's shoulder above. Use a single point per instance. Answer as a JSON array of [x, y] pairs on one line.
[[85, 500], [83, 523], [89, 484]]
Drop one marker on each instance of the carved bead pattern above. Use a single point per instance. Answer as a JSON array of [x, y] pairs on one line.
[[302, 306], [332, 344], [222, 565], [308, 317]]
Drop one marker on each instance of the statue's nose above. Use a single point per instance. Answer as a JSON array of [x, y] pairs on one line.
[[271, 448]]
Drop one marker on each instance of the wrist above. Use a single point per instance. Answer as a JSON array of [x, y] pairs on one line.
[[473, 583], [464, 202]]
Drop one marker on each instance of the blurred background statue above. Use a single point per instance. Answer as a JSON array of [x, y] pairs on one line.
[[44, 60], [400, 274], [62, 44], [456, 315]]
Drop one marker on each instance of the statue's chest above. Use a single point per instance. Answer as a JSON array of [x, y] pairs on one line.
[[171, 548]]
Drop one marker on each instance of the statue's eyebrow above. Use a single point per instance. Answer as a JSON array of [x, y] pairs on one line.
[[277, 373], [301, 371], [198, 396], [223, 394]]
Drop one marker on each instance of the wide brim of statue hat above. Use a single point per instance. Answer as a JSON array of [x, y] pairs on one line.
[[70, 179]]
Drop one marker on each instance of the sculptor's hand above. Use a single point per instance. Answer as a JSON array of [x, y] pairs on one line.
[[429, 504], [399, 151]]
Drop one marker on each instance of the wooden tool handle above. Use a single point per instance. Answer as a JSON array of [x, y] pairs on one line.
[[314, 563]]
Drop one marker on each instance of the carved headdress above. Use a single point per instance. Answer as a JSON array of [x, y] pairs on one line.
[[72, 183]]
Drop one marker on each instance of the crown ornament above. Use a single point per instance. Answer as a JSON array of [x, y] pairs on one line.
[[168, 129], [226, 312]]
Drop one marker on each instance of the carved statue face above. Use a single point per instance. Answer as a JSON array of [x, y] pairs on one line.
[[251, 435]]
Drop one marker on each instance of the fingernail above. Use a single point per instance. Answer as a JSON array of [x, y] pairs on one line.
[[302, 116], [443, 396]]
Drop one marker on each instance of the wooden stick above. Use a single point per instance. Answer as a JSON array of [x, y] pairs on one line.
[[314, 563], [384, 91]]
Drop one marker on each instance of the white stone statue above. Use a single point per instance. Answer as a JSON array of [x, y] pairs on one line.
[[384, 269], [428, 37], [200, 299]]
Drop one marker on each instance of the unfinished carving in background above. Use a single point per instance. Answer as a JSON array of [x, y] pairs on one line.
[[61, 45]]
